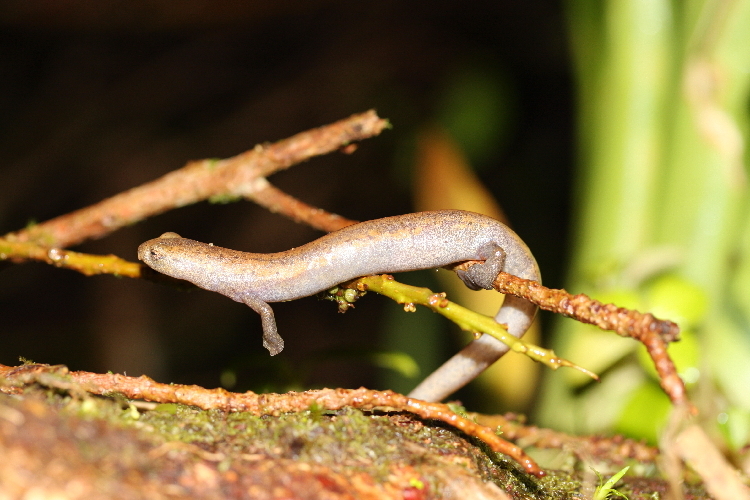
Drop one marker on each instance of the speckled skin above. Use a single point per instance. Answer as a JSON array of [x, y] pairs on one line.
[[408, 242]]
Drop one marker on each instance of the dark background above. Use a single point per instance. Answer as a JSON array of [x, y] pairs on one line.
[[98, 97]]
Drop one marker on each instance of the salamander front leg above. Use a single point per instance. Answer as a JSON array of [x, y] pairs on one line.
[[271, 338]]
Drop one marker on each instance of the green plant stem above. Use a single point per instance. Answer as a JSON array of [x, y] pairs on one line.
[[466, 319]]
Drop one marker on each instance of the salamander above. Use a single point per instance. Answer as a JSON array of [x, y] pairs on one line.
[[422, 240]]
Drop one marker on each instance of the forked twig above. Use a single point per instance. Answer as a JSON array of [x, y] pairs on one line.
[[199, 180]]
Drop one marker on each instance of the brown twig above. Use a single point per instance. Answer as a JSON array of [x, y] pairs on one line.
[[612, 448], [200, 180], [653, 333], [669, 380], [625, 322], [258, 404], [242, 174], [277, 201]]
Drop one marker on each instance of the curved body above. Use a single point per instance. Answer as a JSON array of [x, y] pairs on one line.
[[408, 242]]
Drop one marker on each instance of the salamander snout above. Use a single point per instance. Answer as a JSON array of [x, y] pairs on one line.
[[148, 252]]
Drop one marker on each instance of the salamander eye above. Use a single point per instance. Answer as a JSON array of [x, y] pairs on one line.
[[170, 235], [150, 252]]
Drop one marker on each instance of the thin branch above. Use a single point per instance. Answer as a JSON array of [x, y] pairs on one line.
[[200, 180], [257, 404], [625, 322], [653, 333], [277, 201], [84, 263], [611, 448]]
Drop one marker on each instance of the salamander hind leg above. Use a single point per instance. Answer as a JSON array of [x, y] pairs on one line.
[[481, 276]]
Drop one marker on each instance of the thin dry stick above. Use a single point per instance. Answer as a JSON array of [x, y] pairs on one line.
[[199, 181], [277, 201], [612, 448], [259, 404], [183, 186], [625, 322], [653, 333]]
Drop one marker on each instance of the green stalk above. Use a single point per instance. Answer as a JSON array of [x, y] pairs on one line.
[[663, 216]]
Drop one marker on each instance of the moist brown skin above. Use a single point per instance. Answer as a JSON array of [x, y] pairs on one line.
[[407, 242]]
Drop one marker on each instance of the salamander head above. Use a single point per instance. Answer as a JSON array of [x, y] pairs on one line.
[[174, 255], [152, 252]]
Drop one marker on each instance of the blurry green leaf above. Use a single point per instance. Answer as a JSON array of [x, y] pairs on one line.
[[726, 349], [400, 362], [476, 107], [645, 413], [734, 424], [676, 299]]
